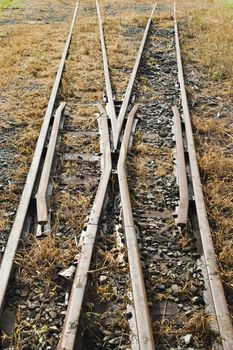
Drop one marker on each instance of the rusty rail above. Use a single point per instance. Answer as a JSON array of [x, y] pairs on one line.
[[68, 335], [14, 236], [117, 122], [110, 106], [41, 197], [219, 300], [182, 213], [129, 89], [144, 330], [143, 322]]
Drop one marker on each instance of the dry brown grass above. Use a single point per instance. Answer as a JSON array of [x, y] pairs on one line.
[[30, 53], [26, 68], [214, 45], [40, 264], [121, 46], [216, 160], [82, 80], [210, 126], [210, 51], [4, 221], [71, 209], [7, 205], [216, 165], [199, 325], [44, 258]]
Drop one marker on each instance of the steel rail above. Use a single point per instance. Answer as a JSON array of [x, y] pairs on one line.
[[129, 89], [68, 336], [41, 196], [219, 300], [182, 213], [14, 236], [110, 106], [143, 322]]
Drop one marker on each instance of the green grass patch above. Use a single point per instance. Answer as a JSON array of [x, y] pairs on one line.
[[5, 4], [229, 3]]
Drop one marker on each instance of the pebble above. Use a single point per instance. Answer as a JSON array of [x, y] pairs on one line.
[[193, 289], [52, 314], [103, 278], [170, 254], [175, 247], [175, 288], [161, 287], [54, 329], [188, 339], [33, 306], [197, 300], [17, 292], [115, 341]]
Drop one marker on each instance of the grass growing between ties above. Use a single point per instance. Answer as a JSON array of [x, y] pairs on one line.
[[43, 259], [71, 210], [199, 325], [40, 264], [207, 48]]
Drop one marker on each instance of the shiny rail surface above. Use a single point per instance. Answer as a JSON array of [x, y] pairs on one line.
[[219, 300]]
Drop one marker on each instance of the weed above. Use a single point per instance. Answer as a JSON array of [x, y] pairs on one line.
[[42, 261], [199, 325]]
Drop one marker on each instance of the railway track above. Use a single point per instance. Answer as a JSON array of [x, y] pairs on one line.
[[115, 231]]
